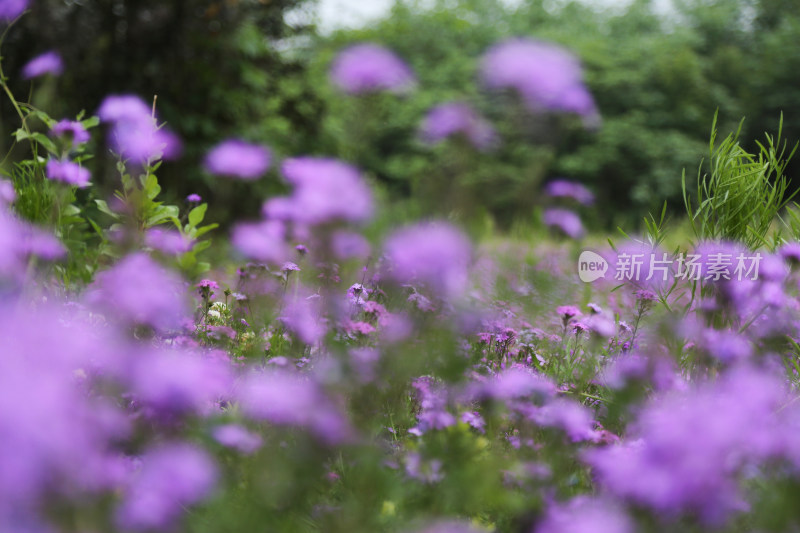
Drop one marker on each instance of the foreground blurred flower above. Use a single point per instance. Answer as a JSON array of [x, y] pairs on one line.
[[546, 76], [47, 63], [71, 131], [369, 67], [11, 9], [238, 159], [436, 254], [171, 478], [291, 400], [456, 118], [140, 291], [691, 446], [134, 133], [586, 515], [325, 190], [565, 220], [68, 172]]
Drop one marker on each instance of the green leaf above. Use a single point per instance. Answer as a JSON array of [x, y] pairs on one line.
[[196, 215], [103, 207]]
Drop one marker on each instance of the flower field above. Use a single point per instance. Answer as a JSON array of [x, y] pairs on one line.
[[327, 367]]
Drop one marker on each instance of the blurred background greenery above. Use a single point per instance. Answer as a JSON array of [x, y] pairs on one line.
[[257, 69]]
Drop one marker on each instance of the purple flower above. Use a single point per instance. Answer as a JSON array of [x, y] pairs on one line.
[[263, 241], [11, 9], [369, 67], [586, 515], [456, 118], [545, 75], [238, 159], [436, 254], [135, 134], [349, 245], [172, 383], [571, 417], [325, 190], [68, 172], [139, 290], [565, 220], [167, 241], [688, 448], [287, 399], [237, 437], [72, 131], [569, 189], [566, 312], [171, 478], [7, 193], [47, 63], [791, 252], [194, 198], [303, 316]]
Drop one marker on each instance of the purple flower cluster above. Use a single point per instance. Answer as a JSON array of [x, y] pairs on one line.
[[47, 63], [457, 118], [369, 67], [238, 159], [546, 76], [135, 134]]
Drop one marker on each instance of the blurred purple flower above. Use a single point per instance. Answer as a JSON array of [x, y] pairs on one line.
[[436, 254], [263, 241], [47, 63], [167, 241], [194, 198], [72, 131], [173, 383], [140, 291], [68, 172], [369, 67], [692, 445], [8, 194], [302, 315], [171, 478], [237, 437], [325, 190], [238, 159], [586, 515], [569, 189], [349, 245], [11, 9], [287, 399], [455, 118], [565, 220], [134, 133], [545, 75]]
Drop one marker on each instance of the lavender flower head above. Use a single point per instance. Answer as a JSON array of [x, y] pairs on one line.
[[436, 254], [171, 478], [11, 9], [586, 515], [545, 75], [456, 118], [72, 131], [325, 190], [68, 172], [47, 63], [369, 67], [140, 291], [134, 133], [238, 159], [565, 220], [569, 189]]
